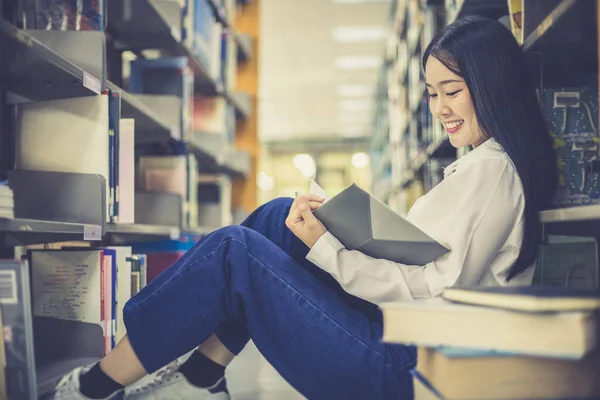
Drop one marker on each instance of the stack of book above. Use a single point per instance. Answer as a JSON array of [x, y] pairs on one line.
[[7, 203], [501, 343]]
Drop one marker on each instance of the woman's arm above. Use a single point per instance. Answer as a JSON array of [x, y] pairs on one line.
[[474, 211]]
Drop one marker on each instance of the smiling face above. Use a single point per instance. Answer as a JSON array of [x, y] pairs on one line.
[[450, 102]]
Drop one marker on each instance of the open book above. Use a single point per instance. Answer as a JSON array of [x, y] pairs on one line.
[[362, 222]]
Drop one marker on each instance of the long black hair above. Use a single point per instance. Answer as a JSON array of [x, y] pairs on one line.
[[486, 55]]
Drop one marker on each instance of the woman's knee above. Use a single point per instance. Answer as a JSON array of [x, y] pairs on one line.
[[285, 202]]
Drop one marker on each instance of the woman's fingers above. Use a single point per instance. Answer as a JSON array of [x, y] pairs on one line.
[[311, 198]]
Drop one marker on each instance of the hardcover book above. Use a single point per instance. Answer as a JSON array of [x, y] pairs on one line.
[[362, 222]]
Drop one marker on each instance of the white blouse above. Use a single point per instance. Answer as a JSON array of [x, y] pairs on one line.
[[477, 212]]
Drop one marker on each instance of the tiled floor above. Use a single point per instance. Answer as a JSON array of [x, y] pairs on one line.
[[251, 377]]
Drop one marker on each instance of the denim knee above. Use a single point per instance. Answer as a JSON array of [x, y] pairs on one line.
[[285, 202]]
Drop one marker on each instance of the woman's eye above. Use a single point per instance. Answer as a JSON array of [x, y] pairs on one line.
[[431, 95], [452, 94]]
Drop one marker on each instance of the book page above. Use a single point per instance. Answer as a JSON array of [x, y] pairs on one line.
[[317, 190]]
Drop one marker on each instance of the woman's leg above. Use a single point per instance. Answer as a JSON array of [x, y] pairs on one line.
[[269, 221], [323, 347]]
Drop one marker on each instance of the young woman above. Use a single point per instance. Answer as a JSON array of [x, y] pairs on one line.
[[309, 304]]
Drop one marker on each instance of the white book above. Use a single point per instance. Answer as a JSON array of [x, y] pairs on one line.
[[126, 193], [123, 287]]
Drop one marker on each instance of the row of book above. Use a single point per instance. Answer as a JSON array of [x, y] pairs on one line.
[[66, 304], [501, 343], [153, 79], [7, 203], [92, 147], [202, 32]]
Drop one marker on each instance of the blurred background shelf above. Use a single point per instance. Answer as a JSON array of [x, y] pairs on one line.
[[20, 231]]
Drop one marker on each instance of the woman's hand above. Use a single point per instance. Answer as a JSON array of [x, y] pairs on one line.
[[302, 222]]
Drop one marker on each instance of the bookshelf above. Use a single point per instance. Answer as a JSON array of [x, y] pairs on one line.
[[37, 72], [409, 150], [37, 65]]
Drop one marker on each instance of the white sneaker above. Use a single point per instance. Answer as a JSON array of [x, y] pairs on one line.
[[68, 387], [169, 384]]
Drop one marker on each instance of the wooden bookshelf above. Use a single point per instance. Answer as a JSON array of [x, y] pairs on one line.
[[245, 191]]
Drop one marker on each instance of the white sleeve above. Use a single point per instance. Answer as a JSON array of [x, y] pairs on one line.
[[478, 210]]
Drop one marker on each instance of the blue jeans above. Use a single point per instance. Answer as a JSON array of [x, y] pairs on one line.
[[253, 282]]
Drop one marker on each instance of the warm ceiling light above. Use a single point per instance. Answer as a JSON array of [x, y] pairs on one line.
[[355, 90], [360, 160], [353, 131], [358, 62], [352, 34], [355, 105], [354, 118]]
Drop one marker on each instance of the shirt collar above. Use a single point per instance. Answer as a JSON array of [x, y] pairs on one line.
[[490, 143]]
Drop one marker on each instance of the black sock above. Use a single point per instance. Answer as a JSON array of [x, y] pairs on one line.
[[201, 371], [95, 384]]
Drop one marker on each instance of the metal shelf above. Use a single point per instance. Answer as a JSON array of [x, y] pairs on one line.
[[216, 156], [242, 103], [148, 28], [582, 213], [147, 122], [129, 233], [21, 231], [245, 47], [36, 72], [556, 17], [219, 13]]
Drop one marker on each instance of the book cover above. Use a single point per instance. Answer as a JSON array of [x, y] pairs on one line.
[[362, 222], [536, 299], [126, 172], [74, 285]]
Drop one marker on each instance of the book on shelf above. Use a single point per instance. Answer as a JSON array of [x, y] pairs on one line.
[[570, 262], [175, 174], [214, 201], [126, 172], [536, 299], [64, 15], [166, 76], [2, 361], [114, 128], [515, 12], [362, 222], [7, 201], [138, 272], [78, 286], [571, 114], [15, 295], [123, 288]]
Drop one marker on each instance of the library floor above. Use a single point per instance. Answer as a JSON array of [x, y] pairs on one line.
[[251, 377]]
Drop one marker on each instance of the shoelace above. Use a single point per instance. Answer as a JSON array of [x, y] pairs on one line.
[[161, 377]]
